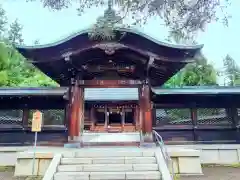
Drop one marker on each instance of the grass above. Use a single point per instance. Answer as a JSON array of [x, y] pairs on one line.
[[28, 178], [33, 178], [177, 177], [6, 168], [11, 169]]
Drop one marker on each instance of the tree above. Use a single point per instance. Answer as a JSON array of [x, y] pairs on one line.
[[36, 42], [183, 17], [3, 21], [231, 70], [14, 69], [199, 73], [15, 33]]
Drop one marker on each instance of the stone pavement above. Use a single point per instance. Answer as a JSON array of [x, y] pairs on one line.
[[216, 173]]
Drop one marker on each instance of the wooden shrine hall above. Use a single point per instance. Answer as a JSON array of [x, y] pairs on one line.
[[135, 61]]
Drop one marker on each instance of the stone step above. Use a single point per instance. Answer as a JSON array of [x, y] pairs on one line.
[[109, 153], [143, 175], [110, 160], [111, 137], [111, 144], [107, 167]]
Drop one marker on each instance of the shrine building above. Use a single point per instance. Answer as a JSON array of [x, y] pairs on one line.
[[108, 83]]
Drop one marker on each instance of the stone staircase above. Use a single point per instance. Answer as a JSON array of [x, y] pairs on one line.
[[109, 164], [111, 139]]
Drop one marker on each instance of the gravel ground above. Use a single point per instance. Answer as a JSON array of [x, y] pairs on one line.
[[216, 173], [6, 175]]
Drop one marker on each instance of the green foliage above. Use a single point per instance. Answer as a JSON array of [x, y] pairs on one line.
[[103, 29], [199, 73], [182, 17], [7, 168], [231, 70], [14, 69], [3, 21], [14, 34]]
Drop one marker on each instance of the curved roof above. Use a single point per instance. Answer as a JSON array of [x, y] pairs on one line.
[[132, 48], [74, 35]]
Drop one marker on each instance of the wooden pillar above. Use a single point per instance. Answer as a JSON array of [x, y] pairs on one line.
[[232, 114], [25, 116], [141, 110], [72, 113], [80, 112], [146, 112], [66, 115], [106, 117], [194, 122], [76, 110], [123, 118], [92, 118], [154, 118], [137, 118]]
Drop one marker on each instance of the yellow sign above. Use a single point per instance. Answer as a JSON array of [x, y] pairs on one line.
[[37, 121]]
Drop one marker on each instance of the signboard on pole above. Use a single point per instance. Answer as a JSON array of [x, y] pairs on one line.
[[37, 121], [36, 127]]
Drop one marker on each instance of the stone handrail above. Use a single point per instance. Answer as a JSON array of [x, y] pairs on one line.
[[167, 159], [52, 169]]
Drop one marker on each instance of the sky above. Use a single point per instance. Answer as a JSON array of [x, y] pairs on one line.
[[48, 26]]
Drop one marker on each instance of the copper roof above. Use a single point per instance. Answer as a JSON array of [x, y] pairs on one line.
[[66, 58]]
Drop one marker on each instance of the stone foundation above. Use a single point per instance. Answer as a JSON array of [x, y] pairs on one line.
[[185, 161], [24, 164]]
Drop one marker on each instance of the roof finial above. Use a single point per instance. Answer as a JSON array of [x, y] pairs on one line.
[[109, 4], [104, 28]]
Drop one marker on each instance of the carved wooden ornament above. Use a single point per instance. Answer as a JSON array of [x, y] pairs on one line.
[[109, 48]]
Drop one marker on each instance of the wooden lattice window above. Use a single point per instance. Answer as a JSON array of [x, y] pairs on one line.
[[173, 116], [11, 117], [213, 116], [50, 117]]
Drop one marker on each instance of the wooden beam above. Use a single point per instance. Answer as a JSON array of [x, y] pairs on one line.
[[113, 47], [150, 62], [109, 83]]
